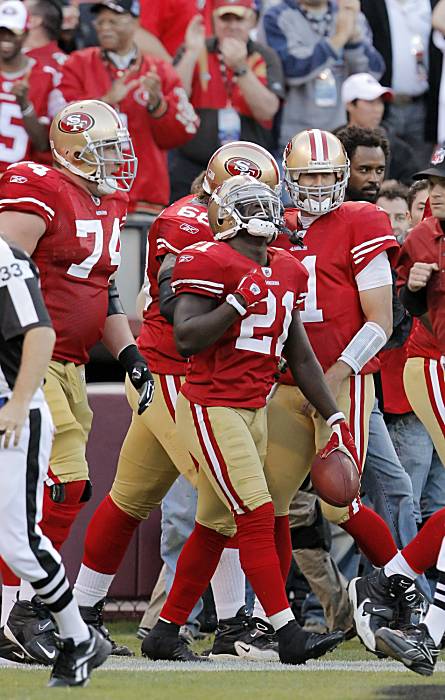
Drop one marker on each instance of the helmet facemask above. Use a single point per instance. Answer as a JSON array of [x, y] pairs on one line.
[[316, 199], [254, 208]]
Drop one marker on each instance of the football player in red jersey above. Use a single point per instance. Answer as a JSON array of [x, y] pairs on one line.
[[347, 314], [25, 90], [237, 313], [69, 217], [153, 455]]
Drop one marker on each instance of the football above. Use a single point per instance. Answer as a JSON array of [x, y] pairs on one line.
[[335, 479]]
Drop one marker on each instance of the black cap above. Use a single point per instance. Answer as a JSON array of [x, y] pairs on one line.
[[119, 6], [437, 165]]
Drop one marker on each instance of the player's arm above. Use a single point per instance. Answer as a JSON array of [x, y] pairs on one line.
[[22, 229], [119, 340], [167, 298], [307, 370]]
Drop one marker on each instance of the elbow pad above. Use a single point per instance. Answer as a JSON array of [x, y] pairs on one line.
[[167, 299], [114, 303], [364, 345]]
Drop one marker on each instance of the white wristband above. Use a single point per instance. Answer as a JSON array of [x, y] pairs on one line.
[[335, 417], [28, 110], [364, 346], [233, 301]]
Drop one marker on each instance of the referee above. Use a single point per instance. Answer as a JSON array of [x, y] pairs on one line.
[[26, 429]]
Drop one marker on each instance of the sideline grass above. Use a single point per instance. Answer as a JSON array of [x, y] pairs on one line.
[[138, 684]]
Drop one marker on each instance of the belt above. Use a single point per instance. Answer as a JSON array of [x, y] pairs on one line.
[[400, 99]]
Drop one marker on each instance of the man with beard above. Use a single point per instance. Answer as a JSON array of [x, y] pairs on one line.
[[368, 153]]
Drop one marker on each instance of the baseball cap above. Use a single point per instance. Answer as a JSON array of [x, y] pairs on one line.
[[13, 16], [233, 7], [363, 86], [437, 165], [120, 6]]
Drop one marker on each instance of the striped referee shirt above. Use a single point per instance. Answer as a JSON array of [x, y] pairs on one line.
[[21, 309]]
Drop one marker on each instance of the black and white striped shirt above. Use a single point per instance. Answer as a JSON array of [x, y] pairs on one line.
[[21, 308]]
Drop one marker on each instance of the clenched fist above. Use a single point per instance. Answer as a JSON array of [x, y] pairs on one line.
[[420, 274]]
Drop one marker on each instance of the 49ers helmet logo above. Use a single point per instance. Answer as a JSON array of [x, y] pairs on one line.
[[242, 166], [76, 123]]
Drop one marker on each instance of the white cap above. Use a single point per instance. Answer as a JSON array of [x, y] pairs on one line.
[[363, 86], [13, 16]]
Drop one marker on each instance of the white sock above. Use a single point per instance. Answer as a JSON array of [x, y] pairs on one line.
[[281, 619], [9, 596], [399, 565], [258, 610], [27, 592], [70, 624], [229, 585], [91, 586]]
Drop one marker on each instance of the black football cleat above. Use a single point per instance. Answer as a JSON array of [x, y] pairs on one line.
[[412, 646], [11, 652], [161, 645], [30, 627], [244, 637], [93, 615], [296, 646], [76, 662], [381, 601]]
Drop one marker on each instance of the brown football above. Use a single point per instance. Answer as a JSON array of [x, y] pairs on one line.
[[335, 479]]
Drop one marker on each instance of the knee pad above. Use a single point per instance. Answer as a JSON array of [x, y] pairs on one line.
[[336, 516], [61, 505]]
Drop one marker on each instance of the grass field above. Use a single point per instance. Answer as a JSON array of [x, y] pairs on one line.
[[348, 674]]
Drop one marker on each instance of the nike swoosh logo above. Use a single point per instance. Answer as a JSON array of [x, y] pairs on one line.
[[43, 627], [377, 610], [50, 655], [19, 654]]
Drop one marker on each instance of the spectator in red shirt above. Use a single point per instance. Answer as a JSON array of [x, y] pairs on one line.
[[145, 90], [235, 84], [167, 20]]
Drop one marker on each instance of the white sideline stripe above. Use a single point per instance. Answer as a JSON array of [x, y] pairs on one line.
[[371, 241], [139, 665], [214, 459], [29, 199]]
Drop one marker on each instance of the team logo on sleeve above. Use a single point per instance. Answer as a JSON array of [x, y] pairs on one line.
[[76, 123], [185, 258], [242, 166], [189, 229]]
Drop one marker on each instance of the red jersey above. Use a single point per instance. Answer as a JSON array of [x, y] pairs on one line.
[[15, 144], [238, 370], [168, 19], [76, 255], [336, 247], [181, 224], [426, 243], [87, 74], [392, 364]]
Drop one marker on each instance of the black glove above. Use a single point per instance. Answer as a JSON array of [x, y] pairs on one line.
[[139, 375]]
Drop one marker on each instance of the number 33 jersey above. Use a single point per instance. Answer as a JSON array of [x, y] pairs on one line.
[[238, 370], [76, 255], [336, 248]]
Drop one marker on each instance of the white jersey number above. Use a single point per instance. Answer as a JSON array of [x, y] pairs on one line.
[[194, 213], [93, 227], [263, 344], [310, 313], [15, 134]]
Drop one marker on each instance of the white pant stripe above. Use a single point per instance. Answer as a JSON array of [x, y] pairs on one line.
[[438, 398], [172, 391], [358, 389]]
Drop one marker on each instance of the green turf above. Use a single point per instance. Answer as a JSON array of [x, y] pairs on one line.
[[30, 684]]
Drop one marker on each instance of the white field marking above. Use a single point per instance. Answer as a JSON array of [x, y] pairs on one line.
[[144, 666]]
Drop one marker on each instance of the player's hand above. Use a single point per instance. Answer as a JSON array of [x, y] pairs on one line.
[[234, 52], [142, 380], [12, 419], [120, 89], [252, 288], [420, 274], [341, 439], [195, 35]]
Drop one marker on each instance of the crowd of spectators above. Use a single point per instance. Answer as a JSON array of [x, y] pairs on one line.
[[187, 76]]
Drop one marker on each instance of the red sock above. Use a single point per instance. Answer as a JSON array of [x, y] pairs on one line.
[[8, 577], [422, 552], [283, 544], [196, 565], [372, 535], [259, 558], [58, 517], [108, 536]]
